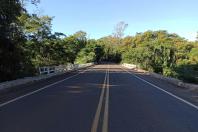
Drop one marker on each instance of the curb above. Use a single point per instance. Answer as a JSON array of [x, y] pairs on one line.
[[174, 81]]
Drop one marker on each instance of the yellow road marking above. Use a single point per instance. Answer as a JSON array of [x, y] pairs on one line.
[[98, 111], [106, 109]]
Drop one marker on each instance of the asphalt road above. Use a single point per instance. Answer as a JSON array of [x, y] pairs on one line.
[[104, 98]]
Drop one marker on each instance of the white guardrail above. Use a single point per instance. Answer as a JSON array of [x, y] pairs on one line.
[[45, 72], [129, 66], [61, 68]]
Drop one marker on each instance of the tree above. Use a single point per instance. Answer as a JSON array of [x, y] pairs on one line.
[[119, 31], [193, 55], [36, 27], [128, 41], [11, 37], [197, 37], [73, 44], [99, 52], [41, 43]]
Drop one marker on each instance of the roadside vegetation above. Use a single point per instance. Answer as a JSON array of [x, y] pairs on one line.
[[27, 42]]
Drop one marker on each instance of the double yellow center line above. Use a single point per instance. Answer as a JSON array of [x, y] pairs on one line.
[[103, 97]]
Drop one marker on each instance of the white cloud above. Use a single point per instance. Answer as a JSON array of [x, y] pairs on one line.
[[189, 35]]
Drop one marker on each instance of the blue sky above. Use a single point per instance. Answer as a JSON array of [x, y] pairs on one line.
[[98, 17]]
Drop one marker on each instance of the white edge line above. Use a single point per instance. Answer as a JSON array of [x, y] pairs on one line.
[[36, 91], [184, 101]]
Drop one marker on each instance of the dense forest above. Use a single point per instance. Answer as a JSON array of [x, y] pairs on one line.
[[27, 42]]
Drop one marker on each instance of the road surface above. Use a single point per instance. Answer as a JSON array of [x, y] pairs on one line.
[[103, 98]]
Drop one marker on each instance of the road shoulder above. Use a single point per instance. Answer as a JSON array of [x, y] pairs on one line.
[[181, 92]]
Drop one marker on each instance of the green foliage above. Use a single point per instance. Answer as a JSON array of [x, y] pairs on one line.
[[111, 51], [73, 44], [12, 61], [153, 56], [169, 72], [85, 57], [188, 72], [163, 53], [92, 52], [193, 55]]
